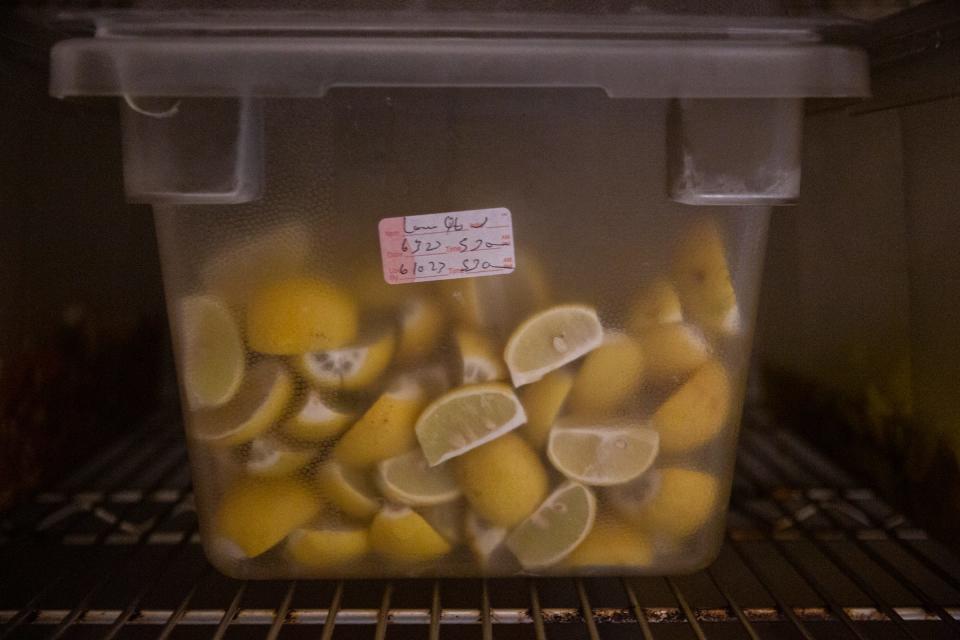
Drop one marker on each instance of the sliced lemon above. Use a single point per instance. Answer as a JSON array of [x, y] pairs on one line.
[[409, 479], [696, 412], [348, 489], [349, 368], [656, 304], [257, 513], [270, 458], [610, 376], [631, 499], [298, 315], [550, 339], [686, 501], [467, 417], [211, 352], [485, 541], [243, 266], [503, 481], [386, 429], [447, 519], [602, 455], [479, 361], [316, 548], [612, 544], [316, 420], [258, 404], [703, 281], [422, 325], [672, 351], [543, 400], [556, 528], [403, 536]]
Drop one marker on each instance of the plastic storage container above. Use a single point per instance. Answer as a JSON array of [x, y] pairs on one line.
[[453, 298]]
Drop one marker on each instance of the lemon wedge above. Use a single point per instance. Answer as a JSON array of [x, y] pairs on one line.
[[556, 528], [258, 404], [550, 339], [212, 353], [349, 368], [479, 361], [348, 489], [257, 513], [609, 377], [386, 429], [409, 479], [602, 455], [703, 280], [543, 401], [467, 417], [402, 535], [656, 304], [696, 412], [298, 315], [317, 548], [503, 481], [270, 458], [316, 420]]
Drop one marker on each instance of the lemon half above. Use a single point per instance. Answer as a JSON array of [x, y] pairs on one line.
[[602, 455], [409, 479]]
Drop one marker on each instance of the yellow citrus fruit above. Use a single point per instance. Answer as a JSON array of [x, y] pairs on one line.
[[542, 401], [602, 455], [347, 489], [609, 377], [672, 351], [550, 339], [409, 479], [402, 535], [479, 360], [270, 458], [257, 513], [703, 281], [465, 418], [556, 528], [244, 265], [656, 304], [349, 368], [317, 548], [258, 404], [503, 480], [316, 420], [422, 325], [212, 355], [685, 502], [612, 544], [696, 412], [447, 519], [485, 541], [386, 429], [297, 315]]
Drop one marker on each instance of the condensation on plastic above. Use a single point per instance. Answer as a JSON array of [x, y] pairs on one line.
[[585, 186], [600, 189]]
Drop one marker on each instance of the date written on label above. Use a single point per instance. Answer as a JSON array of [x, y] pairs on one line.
[[444, 246]]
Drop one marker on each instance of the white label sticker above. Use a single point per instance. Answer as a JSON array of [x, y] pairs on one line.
[[445, 246]]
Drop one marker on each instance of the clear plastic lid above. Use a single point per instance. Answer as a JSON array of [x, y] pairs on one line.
[[296, 54]]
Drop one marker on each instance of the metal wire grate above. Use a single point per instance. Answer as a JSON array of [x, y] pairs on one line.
[[113, 553]]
